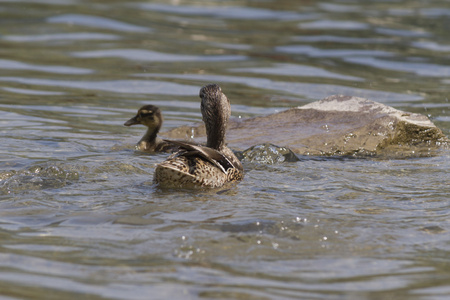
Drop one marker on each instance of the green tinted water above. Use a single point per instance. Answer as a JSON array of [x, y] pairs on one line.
[[79, 216]]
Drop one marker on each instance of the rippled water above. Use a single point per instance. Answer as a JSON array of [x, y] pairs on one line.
[[79, 216]]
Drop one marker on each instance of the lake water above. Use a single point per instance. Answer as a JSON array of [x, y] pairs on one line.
[[80, 218]]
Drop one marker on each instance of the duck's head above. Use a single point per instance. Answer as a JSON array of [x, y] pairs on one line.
[[216, 111], [148, 115]]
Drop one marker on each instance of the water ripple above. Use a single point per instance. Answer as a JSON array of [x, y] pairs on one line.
[[429, 45], [96, 22], [17, 65], [340, 8], [228, 12], [421, 69], [317, 52], [114, 86], [334, 25], [80, 215], [30, 92], [84, 36], [148, 55], [296, 70], [341, 39], [310, 90], [402, 32], [435, 12], [52, 2]]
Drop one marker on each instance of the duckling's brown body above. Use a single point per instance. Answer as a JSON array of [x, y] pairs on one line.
[[199, 166], [151, 117]]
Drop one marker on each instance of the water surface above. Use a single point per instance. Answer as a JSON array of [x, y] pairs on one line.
[[80, 217]]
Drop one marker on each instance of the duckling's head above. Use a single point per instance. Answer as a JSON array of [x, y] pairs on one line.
[[148, 115], [216, 111]]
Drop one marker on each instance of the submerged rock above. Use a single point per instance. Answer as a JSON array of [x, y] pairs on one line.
[[36, 178], [336, 125], [268, 154]]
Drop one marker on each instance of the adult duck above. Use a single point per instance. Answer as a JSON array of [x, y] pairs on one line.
[[199, 166]]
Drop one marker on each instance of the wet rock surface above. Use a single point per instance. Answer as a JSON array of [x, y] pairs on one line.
[[267, 154], [336, 125]]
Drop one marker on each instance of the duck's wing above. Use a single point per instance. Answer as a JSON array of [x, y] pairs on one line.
[[209, 154]]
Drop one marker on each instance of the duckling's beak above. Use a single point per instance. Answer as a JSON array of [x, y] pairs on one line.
[[132, 121]]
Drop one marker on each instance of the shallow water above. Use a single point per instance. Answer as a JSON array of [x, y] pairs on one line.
[[79, 216]]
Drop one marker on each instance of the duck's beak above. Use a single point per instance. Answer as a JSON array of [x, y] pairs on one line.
[[132, 121]]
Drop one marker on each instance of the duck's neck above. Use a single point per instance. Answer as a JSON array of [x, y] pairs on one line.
[[216, 135], [150, 135], [149, 140]]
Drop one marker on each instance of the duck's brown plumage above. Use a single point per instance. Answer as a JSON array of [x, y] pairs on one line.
[[151, 117], [199, 166]]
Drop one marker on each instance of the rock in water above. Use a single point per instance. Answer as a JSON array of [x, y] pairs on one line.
[[336, 125], [268, 154]]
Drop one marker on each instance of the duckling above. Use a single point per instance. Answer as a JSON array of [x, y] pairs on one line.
[[200, 166], [150, 116]]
